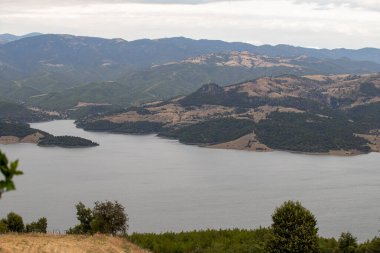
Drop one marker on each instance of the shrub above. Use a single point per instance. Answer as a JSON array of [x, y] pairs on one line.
[[3, 226], [109, 218], [39, 226], [106, 217]]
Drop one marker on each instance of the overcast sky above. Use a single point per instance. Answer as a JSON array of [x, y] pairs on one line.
[[311, 23]]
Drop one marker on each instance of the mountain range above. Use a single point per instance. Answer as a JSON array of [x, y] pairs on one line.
[[59, 71]]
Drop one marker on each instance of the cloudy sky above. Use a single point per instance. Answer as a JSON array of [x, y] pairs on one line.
[[311, 23]]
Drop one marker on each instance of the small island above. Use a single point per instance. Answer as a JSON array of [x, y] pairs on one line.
[[66, 142]]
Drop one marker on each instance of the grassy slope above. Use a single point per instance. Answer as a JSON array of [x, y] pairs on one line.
[[14, 243]]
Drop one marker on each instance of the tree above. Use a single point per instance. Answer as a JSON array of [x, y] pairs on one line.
[[106, 217], [84, 216], [347, 243], [109, 218], [8, 171], [15, 223], [293, 230], [39, 226]]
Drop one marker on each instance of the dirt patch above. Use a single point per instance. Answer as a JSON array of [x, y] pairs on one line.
[[246, 142], [33, 138], [9, 140], [344, 152], [50, 113], [373, 139], [37, 243], [85, 104], [173, 114]]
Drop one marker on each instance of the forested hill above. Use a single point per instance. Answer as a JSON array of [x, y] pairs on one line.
[[315, 114]]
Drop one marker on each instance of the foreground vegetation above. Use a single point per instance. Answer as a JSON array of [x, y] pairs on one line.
[[241, 241]]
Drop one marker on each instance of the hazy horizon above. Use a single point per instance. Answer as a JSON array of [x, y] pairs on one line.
[[143, 38], [306, 23]]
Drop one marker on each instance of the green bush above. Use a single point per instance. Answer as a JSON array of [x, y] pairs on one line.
[[106, 218], [208, 241], [109, 218], [3, 226], [39, 226]]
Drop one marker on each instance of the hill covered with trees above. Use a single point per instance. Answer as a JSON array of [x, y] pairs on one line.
[[314, 114]]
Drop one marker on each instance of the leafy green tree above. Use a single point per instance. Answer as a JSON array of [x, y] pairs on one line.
[[8, 171], [39, 226], [15, 222], [293, 230], [347, 243], [109, 218], [84, 216]]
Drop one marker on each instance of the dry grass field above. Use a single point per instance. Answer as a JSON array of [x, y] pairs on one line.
[[39, 243]]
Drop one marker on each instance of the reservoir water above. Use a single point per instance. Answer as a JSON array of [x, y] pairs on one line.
[[167, 186]]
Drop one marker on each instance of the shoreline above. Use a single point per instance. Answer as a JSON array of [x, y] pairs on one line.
[[255, 147]]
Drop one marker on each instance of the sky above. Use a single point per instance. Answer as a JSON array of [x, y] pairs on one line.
[[308, 23]]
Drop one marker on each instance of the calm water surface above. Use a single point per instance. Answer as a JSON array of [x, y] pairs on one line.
[[167, 186]]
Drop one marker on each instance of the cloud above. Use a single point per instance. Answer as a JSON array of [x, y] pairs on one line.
[[88, 2], [372, 5], [178, 1], [317, 23]]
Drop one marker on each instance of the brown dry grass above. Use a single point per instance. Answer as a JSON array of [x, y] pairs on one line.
[[247, 142], [40, 243]]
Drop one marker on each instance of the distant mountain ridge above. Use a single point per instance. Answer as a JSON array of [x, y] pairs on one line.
[[7, 37], [62, 65]]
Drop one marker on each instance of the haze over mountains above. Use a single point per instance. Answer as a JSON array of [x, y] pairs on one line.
[[59, 71], [7, 37]]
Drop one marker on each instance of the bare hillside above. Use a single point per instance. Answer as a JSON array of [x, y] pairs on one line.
[[38, 243]]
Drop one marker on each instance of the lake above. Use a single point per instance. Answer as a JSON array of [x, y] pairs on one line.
[[168, 186]]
